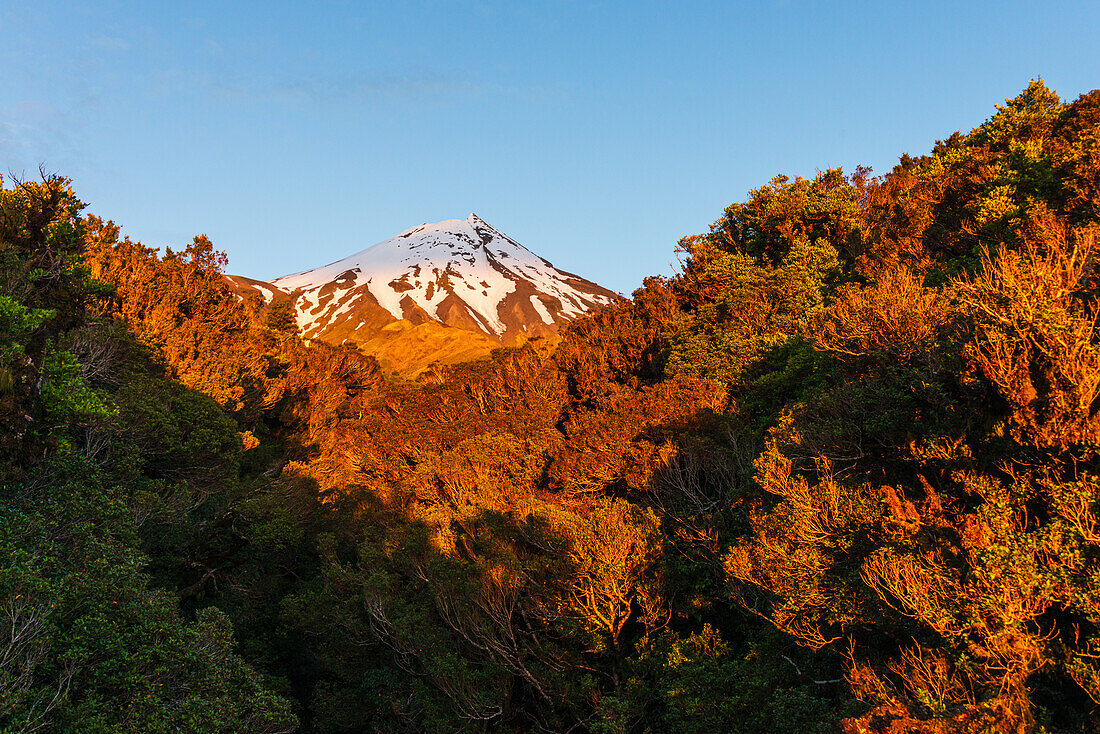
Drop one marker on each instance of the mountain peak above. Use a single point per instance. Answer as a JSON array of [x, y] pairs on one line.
[[460, 273]]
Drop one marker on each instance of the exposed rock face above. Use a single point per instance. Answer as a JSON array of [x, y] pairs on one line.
[[462, 274]]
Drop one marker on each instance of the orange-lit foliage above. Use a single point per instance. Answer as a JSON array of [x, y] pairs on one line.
[[1038, 340], [212, 341], [178, 305], [894, 320], [842, 466], [613, 551], [950, 564]]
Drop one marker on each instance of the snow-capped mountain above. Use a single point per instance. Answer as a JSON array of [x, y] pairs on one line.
[[458, 273]]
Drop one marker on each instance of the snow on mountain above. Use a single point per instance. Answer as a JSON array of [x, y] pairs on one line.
[[398, 297], [458, 272]]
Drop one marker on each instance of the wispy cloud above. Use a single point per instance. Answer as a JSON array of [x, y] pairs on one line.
[[353, 89], [35, 132], [413, 88], [12, 136], [345, 90], [109, 43]]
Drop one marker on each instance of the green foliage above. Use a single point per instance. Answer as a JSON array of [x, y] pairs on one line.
[[17, 322], [754, 308], [66, 395], [778, 216], [421, 617], [696, 684], [91, 646]]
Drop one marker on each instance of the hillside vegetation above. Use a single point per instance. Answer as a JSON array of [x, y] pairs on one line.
[[838, 474]]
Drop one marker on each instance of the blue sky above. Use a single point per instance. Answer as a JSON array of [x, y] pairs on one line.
[[595, 133]]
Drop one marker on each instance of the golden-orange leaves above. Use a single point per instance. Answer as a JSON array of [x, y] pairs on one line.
[[896, 317], [1037, 339]]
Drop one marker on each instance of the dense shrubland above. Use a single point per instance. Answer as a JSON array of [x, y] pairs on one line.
[[838, 474]]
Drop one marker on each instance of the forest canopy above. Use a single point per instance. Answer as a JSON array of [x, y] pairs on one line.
[[839, 473]]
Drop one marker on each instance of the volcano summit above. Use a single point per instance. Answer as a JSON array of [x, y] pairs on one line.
[[448, 291]]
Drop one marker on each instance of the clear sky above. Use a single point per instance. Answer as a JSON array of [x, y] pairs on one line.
[[594, 133]]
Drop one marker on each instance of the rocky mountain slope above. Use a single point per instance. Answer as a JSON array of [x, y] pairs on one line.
[[446, 292]]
